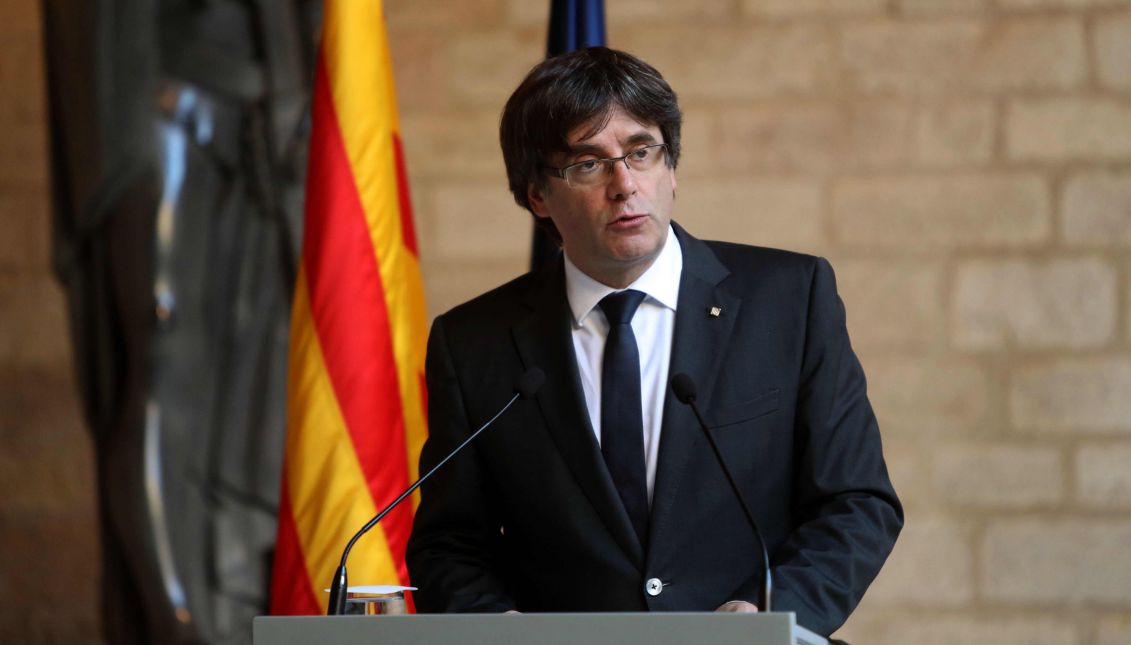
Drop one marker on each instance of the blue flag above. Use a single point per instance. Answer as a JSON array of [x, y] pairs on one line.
[[575, 24]]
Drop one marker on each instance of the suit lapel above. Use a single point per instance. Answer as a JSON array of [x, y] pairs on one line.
[[544, 340], [698, 344]]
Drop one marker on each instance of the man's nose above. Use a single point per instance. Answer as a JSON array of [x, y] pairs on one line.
[[623, 182]]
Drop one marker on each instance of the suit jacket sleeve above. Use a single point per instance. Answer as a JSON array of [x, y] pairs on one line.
[[452, 555], [846, 514]]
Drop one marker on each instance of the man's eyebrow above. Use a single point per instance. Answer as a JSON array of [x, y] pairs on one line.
[[641, 137]]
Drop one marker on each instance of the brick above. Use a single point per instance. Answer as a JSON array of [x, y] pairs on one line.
[[419, 69], [633, 11], [811, 8], [46, 465], [478, 222], [1103, 479], [46, 558], [939, 7], [892, 303], [931, 566], [1074, 395], [483, 68], [451, 283], [1096, 208], [737, 62], [815, 137], [34, 332], [936, 55], [1127, 300], [19, 17], [528, 14], [876, 133], [1032, 53], [900, 629], [824, 136], [998, 475], [907, 57], [698, 156], [909, 468], [942, 211], [774, 212], [1032, 562], [22, 81], [25, 246], [1068, 128], [769, 139], [23, 157], [444, 14], [1112, 43], [918, 396], [1056, 303], [955, 132], [1114, 630], [1071, 4], [454, 145]]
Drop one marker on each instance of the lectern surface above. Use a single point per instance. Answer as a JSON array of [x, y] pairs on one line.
[[535, 629]]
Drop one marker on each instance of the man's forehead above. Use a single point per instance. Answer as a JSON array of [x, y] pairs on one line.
[[595, 127]]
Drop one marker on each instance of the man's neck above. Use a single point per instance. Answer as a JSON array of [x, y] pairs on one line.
[[623, 278]]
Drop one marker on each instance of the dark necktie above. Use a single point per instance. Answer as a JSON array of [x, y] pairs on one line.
[[622, 425]]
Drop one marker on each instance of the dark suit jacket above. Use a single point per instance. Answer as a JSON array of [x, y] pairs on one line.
[[528, 518]]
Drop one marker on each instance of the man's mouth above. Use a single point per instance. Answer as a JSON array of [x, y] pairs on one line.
[[628, 220]]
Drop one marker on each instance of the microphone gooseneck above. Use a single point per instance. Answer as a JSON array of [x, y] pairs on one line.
[[684, 389], [525, 388]]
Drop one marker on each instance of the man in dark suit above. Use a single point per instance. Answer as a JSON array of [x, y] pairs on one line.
[[602, 494]]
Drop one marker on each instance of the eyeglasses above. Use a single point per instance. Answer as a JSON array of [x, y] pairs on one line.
[[595, 172]]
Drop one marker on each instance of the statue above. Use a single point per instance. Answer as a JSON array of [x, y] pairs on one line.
[[178, 140]]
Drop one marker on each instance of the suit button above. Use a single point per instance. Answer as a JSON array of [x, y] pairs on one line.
[[654, 586]]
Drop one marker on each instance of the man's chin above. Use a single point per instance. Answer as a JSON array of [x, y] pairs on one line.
[[635, 256]]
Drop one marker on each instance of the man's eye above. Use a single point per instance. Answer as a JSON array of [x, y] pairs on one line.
[[641, 154], [587, 166]]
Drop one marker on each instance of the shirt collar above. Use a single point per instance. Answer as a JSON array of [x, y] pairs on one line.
[[660, 282]]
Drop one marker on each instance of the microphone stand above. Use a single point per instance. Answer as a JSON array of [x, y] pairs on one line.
[[528, 383], [685, 391]]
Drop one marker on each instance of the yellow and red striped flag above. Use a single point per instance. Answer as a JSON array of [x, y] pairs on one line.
[[355, 390]]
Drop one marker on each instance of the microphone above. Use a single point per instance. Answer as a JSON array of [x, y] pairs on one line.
[[684, 389], [524, 388]]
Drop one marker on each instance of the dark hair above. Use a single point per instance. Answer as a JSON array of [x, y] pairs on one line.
[[566, 91]]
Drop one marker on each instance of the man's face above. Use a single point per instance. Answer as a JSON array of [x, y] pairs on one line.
[[611, 231]]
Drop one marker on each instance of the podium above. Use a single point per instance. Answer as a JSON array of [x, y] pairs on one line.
[[536, 629]]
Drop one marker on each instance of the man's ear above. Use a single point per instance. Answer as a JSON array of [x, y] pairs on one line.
[[537, 199]]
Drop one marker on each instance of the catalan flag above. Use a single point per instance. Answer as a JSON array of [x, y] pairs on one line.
[[355, 392]]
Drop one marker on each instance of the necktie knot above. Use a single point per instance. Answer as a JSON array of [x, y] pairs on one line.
[[621, 306]]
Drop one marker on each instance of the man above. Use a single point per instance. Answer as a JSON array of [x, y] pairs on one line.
[[602, 494]]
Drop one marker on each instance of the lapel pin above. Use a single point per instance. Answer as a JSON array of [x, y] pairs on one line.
[[715, 311]]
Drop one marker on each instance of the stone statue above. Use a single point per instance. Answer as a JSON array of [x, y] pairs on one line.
[[178, 139]]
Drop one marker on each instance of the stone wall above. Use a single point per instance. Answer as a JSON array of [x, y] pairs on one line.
[[966, 166], [49, 558]]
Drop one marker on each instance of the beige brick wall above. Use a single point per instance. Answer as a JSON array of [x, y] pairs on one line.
[[46, 468], [966, 164]]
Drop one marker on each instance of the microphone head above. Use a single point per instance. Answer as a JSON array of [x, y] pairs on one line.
[[684, 388], [529, 382]]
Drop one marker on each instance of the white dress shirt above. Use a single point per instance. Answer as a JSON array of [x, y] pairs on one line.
[[652, 325]]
